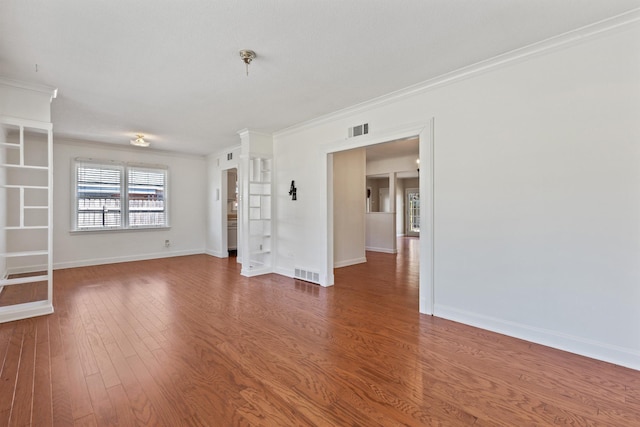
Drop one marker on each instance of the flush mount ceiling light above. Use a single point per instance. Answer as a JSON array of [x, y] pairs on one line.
[[139, 141], [247, 56]]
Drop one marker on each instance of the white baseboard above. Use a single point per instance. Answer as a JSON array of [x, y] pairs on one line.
[[581, 346], [349, 262], [284, 272], [113, 260], [26, 269], [217, 254], [251, 272], [384, 250], [24, 311]]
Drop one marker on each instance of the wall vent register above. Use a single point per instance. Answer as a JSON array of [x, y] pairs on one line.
[[359, 130]]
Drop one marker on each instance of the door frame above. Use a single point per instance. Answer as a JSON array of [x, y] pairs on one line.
[[425, 133]]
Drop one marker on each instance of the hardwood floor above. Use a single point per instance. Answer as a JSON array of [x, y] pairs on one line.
[[23, 293], [187, 341]]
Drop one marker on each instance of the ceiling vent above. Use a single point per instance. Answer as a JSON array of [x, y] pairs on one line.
[[359, 130]]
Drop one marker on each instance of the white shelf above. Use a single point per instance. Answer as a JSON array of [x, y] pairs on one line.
[[36, 207], [31, 187], [25, 253], [260, 252], [21, 280], [8, 165], [27, 227], [9, 145]]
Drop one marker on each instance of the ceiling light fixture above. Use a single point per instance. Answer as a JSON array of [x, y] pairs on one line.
[[139, 141], [247, 56]]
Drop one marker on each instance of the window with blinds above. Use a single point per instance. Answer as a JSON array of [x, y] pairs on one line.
[[111, 195], [145, 190]]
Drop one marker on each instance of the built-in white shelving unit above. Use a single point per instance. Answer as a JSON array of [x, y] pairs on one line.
[[259, 213], [255, 176], [26, 177]]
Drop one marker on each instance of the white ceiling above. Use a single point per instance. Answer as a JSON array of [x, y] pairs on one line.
[[170, 69], [399, 148]]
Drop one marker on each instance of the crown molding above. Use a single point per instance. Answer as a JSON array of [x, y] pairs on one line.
[[78, 142], [51, 91], [567, 39]]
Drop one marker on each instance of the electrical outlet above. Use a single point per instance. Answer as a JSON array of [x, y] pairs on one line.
[[167, 243]]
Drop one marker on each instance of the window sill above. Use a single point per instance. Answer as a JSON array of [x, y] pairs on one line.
[[119, 230]]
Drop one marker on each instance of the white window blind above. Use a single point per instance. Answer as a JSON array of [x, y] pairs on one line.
[[112, 195], [146, 197], [99, 196]]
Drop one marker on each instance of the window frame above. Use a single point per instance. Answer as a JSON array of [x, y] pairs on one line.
[[125, 169]]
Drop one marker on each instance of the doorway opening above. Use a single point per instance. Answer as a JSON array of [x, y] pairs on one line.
[[424, 134]]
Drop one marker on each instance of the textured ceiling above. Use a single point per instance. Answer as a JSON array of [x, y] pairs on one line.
[[170, 69]]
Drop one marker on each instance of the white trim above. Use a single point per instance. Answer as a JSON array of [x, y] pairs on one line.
[[24, 123], [62, 139], [384, 250], [349, 262], [425, 133], [217, 254], [113, 260], [427, 218], [255, 271], [573, 344], [51, 91], [560, 41], [26, 269], [25, 311], [125, 170]]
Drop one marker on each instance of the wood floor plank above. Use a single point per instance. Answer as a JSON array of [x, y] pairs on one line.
[[121, 404], [42, 410], [103, 410], [189, 341], [75, 374], [60, 398], [6, 332], [98, 334], [23, 393], [10, 372]]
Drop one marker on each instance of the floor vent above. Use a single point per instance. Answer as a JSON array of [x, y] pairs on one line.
[[359, 130], [309, 276]]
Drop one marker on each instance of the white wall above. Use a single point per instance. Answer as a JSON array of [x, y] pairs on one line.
[[349, 193], [391, 164], [376, 184], [187, 194], [380, 233], [536, 192]]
